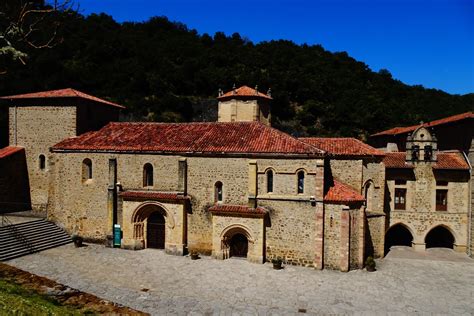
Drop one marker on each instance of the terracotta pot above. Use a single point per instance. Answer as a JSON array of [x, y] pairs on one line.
[[277, 265]]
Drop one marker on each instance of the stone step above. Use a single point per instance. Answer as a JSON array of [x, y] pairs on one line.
[[39, 234], [24, 251], [12, 243]]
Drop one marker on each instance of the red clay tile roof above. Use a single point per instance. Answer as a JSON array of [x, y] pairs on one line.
[[450, 119], [154, 195], [342, 146], [340, 193], [445, 160], [451, 161], [226, 209], [63, 93], [396, 160], [193, 138], [243, 91], [10, 150]]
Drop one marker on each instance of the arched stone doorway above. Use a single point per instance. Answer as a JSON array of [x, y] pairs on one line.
[[150, 223], [236, 242], [155, 231], [239, 246], [397, 235], [439, 237]]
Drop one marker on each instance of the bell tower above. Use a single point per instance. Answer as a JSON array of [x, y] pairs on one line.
[[421, 146], [244, 104]]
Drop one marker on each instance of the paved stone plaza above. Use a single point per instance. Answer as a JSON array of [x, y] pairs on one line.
[[151, 281]]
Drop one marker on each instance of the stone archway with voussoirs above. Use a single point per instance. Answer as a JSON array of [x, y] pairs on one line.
[[233, 234], [140, 220], [399, 234], [440, 236]]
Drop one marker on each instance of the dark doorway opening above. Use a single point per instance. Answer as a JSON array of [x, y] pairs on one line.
[[155, 235], [439, 237], [239, 246], [397, 235]]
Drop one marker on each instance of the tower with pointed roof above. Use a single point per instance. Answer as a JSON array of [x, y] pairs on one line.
[[244, 104]]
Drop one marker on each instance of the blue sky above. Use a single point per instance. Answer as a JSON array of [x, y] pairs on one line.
[[420, 42]]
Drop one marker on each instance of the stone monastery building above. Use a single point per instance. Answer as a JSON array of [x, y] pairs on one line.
[[237, 187]]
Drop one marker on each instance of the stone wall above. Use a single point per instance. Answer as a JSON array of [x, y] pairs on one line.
[[348, 171], [37, 128], [373, 179], [375, 235], [471, 160], [81, 207], [291, 231], [420, 215], [332, 236], [356, 242], [243, 111]]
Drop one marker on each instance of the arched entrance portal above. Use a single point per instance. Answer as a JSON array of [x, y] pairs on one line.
[[439, 237], [239, 246], [150, 221], [155, 231], [397, 235]]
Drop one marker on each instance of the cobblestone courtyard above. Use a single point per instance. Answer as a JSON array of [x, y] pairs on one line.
[[151, 281]]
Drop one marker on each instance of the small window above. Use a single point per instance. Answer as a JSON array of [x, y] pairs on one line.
[[86, 169], [148, 175], [269, 181], [300, 182], [415, 152], [442, 183], [400, 182], [400, 199], [218, 191], [441, 200], [42, 162], [428, 152]]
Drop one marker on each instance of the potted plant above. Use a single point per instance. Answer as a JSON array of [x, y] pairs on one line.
[[77, 240], [276, 263], [370, 264], [194, 255]]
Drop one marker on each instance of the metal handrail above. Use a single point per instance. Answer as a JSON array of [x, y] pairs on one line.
[[17, 234]]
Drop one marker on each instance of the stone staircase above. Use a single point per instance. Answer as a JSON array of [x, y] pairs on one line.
[[17, 240]]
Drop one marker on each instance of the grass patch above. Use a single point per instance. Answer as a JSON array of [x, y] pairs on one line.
[[17, 300]]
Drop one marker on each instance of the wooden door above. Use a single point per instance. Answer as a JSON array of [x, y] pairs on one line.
[[239, 246], [156, 231]]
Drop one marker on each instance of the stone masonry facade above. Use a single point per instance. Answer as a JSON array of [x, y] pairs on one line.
[[233, 188]]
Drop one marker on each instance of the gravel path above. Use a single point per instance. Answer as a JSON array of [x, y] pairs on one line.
[[151, 281]]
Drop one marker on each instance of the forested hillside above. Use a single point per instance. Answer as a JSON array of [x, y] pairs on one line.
[[162, 71]]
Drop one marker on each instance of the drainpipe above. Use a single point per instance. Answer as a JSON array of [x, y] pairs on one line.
[[469, 222], [15, 138], [111, 201]]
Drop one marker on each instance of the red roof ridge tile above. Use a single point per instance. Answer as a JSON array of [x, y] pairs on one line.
[[243, 91], [448, 160], [234, 209], [196, 137], [342, 146], [149, 194], [10, 150], [445, 120], [60, 93]]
